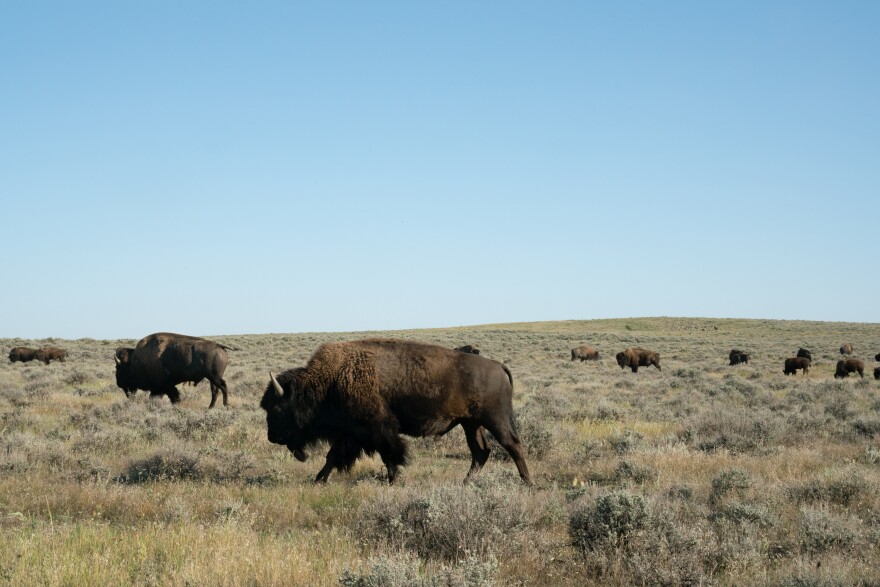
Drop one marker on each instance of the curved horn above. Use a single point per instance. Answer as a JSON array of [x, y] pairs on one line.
[[117, 359], [278, 391]]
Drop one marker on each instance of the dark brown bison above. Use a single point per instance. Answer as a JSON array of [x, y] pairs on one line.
[[795, 363], [847, 366], [161, 361], [635, 357], [876, 372], [50, 353], [584, 353], [804, 354], [22, 354], [468, 348], [846, 349], [877, 357], [737, 357], [361, 396]]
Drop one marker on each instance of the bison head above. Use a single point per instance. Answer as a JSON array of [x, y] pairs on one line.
[[124, 376], [621, 359], [288, 414]]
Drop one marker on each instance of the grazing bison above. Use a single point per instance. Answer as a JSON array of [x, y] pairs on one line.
[[847, 366], [50, 353], [161, 361], [468, 348], [584, 353], [795, 363], [877, 357], [635, 357], [737, 357], [360, 396], [22, 354], [846, 349], [876, 372], [804, 354]]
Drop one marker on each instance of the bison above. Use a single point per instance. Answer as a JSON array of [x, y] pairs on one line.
[[468, 348], [636, 357], [847, 366], [876, 372], [22, 354], [877, 357], [49, 353], [804, 354], [794, 363], [360, 396], [161, 361], [737, 357], [846, 349], [584, 353]]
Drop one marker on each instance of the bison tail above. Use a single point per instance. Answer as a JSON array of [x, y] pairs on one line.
[[509, 375]]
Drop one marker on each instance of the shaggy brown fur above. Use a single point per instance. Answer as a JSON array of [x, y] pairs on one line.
[[876, 372], [847, 366], [163, 360], [50, 353], [804, 354], [635, 357], [846, 349], [23, 354], [360, 396], [794, 363], [584, 353]]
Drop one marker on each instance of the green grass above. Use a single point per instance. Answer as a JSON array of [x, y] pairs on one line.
[[741, 474]]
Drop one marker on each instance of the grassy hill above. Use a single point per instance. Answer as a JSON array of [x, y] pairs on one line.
[[700, 473]]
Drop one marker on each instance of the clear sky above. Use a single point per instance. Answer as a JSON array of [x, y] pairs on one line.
[[248, 167]]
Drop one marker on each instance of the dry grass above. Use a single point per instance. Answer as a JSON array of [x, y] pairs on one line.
[[697, 474]]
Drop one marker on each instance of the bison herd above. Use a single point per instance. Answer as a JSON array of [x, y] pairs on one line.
[[361, 396]]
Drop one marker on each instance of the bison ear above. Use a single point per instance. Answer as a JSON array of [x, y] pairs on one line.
[[278, 391]]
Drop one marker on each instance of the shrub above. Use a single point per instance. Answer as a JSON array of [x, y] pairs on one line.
[[726, 481], [163, 466], [634, 472], [403, 570], [612, 519]]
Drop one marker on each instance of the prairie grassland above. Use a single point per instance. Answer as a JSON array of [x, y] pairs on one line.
[[699, 474]]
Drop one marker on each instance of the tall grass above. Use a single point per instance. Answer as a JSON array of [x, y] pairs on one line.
[[699, 474]]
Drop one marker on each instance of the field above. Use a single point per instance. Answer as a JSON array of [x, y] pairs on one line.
[[699, 474]]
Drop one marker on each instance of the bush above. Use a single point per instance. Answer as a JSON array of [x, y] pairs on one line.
[[726, 481], [612, 519], [821, 530], [449, 522], [404, 571]]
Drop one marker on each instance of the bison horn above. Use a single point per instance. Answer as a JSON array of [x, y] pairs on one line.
[[117, 359], [278, 391]]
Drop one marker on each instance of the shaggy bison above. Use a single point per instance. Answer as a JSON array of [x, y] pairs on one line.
[[804, 354], [22, 354], [876, 372], [795, 363], [468, 348], [51, 353], [846, 349], [635, 357], [584, 353], [847, 366], [360, 396], [737, 356], [877, 357], [161, 361]]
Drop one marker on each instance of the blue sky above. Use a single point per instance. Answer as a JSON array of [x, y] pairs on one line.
[[229, 167]]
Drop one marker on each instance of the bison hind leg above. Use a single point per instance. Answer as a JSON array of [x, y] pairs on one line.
[[480, 451]]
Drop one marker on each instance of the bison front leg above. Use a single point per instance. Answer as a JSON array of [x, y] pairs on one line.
[[342, 455]]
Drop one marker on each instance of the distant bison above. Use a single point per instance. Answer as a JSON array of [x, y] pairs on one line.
[[876, 372], [737, 357], [846, 349], [804, 354], [468, 348], [161, 361], [795, 363], [22, 354], [360, 396], [584, 353], [635, 357], [847, 366], [51, 353], [877, 357]]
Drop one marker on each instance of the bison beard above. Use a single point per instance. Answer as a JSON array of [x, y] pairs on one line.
[[361, 396]]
